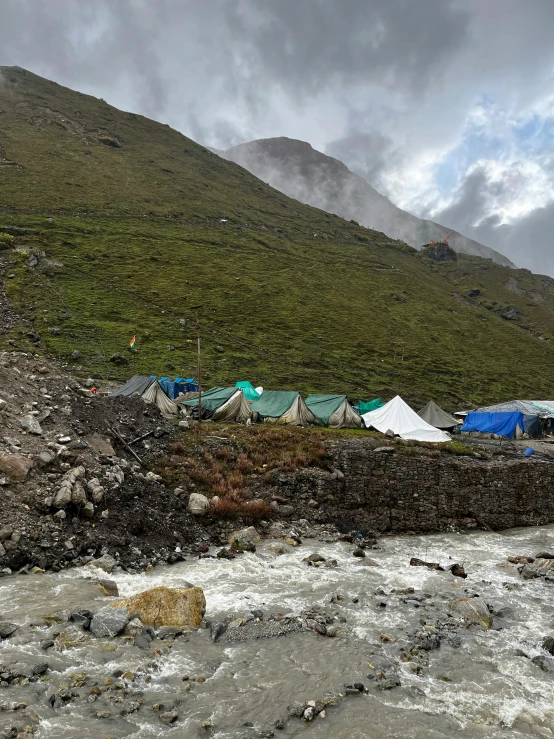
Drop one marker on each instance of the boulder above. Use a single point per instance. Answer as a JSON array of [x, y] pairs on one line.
[[473, 610], [78, 495], [198, 504], [244, 540], [314, 558], [15, 466], [106, 563], [167, 606], [541, 567], [62, 497], [45, 458], [548, 644], [7, 629], [134, 628], [109, 621], [109, 587], [30, 424], [119, 360]]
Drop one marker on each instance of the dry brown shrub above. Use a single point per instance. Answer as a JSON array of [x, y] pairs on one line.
[[178, 447], [244, 464], [225, 453]]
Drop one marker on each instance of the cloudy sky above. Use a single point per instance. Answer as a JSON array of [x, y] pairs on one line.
[[446, 106]]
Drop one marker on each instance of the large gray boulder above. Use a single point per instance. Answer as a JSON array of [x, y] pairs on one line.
[[109, 622], [106, 563], [198, 504], [473, 610]]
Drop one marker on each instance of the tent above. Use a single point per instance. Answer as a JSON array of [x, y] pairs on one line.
[[150, 390], [509, 424], [135, 386], [371, 406], [435, 416], [155, 394], [283, 406], [250, 392], [398, 417], [222, 404], [334, 411]]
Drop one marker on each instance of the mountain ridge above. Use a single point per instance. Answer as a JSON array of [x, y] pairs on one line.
[[297, 169]]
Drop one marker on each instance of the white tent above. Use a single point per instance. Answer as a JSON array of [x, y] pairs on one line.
[[397, 416]]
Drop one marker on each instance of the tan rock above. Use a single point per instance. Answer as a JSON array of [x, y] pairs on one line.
[[167, 606], [15, 466]]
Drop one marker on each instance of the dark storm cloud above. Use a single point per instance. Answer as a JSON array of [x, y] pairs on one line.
[[385, 85], [247, 46]]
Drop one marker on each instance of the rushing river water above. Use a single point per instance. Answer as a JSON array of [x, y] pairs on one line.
[[485, 687]]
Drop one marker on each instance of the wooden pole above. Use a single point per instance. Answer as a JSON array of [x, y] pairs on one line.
[[199, 364]]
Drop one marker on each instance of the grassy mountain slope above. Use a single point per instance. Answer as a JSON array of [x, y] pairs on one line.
[[131, 247], [295, 168]]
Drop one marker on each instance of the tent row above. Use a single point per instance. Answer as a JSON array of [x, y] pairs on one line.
[[275, 406], [244, 403]]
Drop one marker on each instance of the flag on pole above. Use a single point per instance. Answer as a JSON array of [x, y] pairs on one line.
[[132, 342]]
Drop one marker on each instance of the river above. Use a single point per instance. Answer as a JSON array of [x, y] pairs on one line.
[[481, 685]]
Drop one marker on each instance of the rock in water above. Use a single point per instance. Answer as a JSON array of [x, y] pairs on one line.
[[198, 504], [473, 610], [541, 567], [7, 629], [415, 562], [15, 466], [548, 644], [106, 563], [167, 606], [244, 540], [458, 570], [109, 587], [109, 621]]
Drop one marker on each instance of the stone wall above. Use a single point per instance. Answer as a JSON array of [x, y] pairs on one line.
[[396, 492]]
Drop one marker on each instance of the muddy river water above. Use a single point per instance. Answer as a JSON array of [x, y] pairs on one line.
[[480, 684]]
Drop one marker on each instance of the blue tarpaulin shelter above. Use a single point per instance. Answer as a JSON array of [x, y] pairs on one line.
[[501, 424], [173, 388]]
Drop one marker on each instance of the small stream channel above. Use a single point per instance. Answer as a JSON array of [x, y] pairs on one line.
[[477, 684]]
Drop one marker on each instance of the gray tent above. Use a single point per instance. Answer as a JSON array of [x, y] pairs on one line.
[[137, 385], [434, 415], [150, 390]]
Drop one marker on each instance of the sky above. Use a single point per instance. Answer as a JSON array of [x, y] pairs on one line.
[[445, 106]]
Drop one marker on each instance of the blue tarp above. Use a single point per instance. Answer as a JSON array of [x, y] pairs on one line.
[[172, 388], [502, 424]]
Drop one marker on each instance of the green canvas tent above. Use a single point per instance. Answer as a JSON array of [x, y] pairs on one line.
[[222, 404], [334, 411], [283, 406], [250, 392], [371, 406]]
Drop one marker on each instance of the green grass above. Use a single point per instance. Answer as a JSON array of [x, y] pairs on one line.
[[136, 240]]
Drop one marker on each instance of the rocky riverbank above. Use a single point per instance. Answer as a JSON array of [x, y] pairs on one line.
[[387, 632]]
